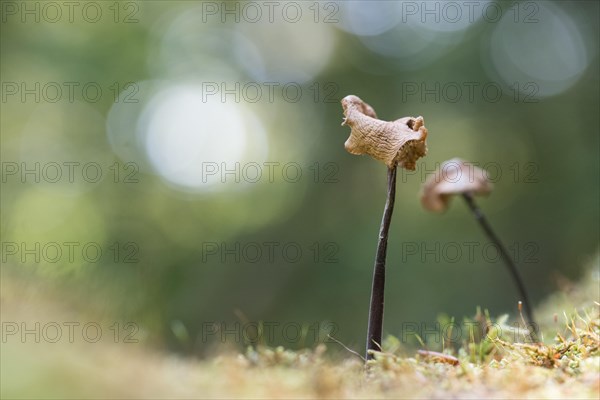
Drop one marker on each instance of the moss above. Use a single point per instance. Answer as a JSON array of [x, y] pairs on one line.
[[497, 364]]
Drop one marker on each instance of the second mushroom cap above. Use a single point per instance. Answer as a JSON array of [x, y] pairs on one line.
[[454, 176]]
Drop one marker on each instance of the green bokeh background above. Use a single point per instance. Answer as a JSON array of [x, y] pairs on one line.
[[175, 284]]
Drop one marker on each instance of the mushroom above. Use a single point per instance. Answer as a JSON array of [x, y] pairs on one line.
[[397, 143], [453, 176], [400, 142], [457, 176]]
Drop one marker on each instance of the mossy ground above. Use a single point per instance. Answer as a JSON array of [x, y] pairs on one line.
[[495, 365]]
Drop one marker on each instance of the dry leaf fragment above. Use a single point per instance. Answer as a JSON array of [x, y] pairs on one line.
[[439, 357], [400, 142], [453, 176]]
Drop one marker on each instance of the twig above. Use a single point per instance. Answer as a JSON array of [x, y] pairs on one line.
[[346, 347]]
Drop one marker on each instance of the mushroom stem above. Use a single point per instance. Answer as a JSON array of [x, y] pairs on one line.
[[480, 217], [377, 290]]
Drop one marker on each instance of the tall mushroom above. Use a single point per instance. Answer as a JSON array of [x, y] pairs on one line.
[[457, 176], [395, 143]]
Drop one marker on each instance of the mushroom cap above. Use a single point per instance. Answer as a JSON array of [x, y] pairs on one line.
[[401, 142], [454, 176]]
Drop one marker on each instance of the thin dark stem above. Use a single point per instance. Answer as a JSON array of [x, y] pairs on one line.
[[377, 290], [512, 268]]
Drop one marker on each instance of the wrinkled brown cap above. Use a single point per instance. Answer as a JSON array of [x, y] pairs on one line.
[[400, 142], [453, 176]]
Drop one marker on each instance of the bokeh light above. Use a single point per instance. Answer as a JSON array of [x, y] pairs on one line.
[[542, 58], [190, 136]]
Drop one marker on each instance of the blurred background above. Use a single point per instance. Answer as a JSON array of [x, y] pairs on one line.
[[181, 165]]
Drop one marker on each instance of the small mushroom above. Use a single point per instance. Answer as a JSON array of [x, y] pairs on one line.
[[453, 176], [400, 142], [397, 143], [456, 176]]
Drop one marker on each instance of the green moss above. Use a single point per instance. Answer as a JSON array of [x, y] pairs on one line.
[[497, 361]]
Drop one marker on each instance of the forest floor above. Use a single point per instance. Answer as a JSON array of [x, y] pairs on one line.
[[565, 365]]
